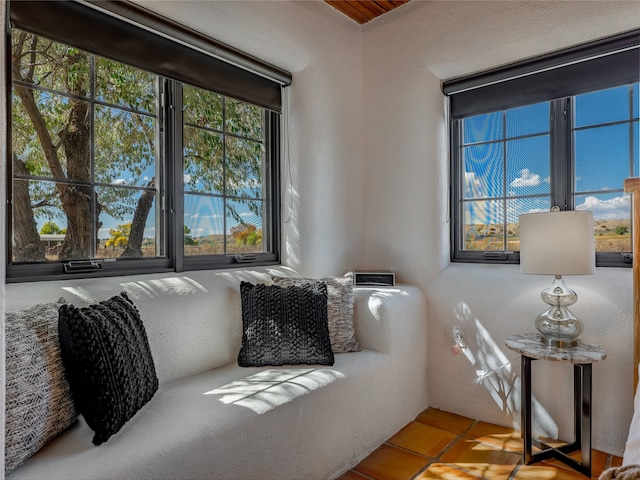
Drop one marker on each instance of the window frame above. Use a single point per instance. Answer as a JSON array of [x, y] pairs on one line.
[[172, 206], [520, 83]]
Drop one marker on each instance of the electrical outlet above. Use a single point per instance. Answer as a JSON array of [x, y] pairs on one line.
[[457, 337]]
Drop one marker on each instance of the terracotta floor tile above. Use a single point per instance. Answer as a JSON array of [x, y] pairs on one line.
[[486, 451], [598, 462], [616, 461], [441, 471], [544, 471], [449, 422], [423, 439], [351, 475], [481, 459], [501, 437], [390, 463]]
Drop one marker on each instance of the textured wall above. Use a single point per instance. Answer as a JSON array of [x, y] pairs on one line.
[[407, 225]]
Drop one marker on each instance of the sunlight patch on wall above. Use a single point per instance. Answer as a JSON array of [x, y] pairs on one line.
[[269, 389], [495, 371], [163, 286], [82, 294]]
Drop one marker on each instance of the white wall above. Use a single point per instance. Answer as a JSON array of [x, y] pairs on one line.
[[406, 56]]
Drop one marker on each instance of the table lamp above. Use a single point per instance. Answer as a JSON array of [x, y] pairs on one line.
[[558, 243]]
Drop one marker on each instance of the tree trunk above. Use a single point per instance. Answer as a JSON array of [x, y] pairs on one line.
[[136, 236], [77, 199], [27, 246]]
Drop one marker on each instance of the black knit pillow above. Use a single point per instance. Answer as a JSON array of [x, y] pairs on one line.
[[284, 325], [108, 361]]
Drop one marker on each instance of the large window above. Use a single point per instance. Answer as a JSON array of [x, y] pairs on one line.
[[527, 151], [117, 167]]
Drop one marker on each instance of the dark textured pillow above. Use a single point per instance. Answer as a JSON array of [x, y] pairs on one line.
[[284, 325], [38, 399], [108, 361], [339, 309]]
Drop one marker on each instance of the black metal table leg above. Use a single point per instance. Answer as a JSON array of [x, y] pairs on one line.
[[582, 421], [525, 363], [583, 415]]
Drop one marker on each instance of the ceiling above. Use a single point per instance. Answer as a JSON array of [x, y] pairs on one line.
[[362, 11]]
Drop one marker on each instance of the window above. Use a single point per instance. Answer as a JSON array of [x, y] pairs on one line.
[[118, 166], [224, 174], [519, 145]]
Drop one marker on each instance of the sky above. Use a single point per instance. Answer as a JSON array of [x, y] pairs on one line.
[[602, 150]]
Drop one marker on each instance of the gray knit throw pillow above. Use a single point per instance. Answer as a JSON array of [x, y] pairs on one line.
[[38, 401], [284, 325], [339, 309]]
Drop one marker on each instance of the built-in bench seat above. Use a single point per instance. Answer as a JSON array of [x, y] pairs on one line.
[[211, 418]]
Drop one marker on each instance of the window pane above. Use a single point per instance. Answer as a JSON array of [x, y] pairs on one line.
[[125, 149], [528, 166], [58, 113], [636, 100], [612, 218], [243, 119], [37, 209], [484, 171], [203, 164], [483, 128], [244, 222], [39, 224], [528, 120], [602, 157], [51, 65], [203, 225], [202, 108], [127, 223], [484, 225], [605, 106], [517, 207], [126, 86], [244, 168]]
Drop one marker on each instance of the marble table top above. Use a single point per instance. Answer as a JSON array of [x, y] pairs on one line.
[[530, 345]]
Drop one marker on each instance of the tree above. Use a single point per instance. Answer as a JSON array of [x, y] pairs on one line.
[[52, 135], [51, 228], [188, 239], [84, 132], [622, 230], [119, 236], [246, 234]]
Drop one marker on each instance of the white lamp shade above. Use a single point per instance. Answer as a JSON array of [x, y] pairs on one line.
[[557, 243]]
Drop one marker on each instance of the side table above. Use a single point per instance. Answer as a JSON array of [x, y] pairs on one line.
[[582, 356]]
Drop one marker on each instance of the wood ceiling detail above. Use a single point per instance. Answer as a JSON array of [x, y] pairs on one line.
[[362, 11]]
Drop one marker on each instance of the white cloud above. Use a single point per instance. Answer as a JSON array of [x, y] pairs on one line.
[[527, 179], [186, 179], [120, 181], [472, 185], [470, 180], [613, 208]]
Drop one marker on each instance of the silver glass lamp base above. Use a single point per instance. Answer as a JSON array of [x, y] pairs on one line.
[[557, 325]]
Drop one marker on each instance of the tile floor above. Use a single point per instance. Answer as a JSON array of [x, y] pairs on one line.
[[442, 445]]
